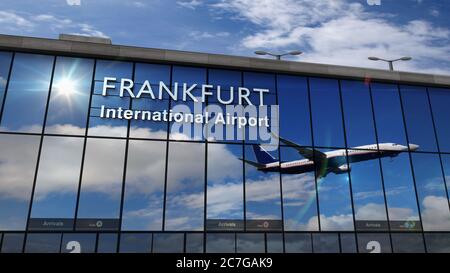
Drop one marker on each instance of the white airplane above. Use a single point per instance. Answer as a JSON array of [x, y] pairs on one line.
[[324, 162]]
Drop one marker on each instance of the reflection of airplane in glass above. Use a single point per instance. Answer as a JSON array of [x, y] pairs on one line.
[[324, 162]]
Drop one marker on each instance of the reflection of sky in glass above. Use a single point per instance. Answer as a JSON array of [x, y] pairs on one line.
[[58, 178], [17, 165], [27, 93], [5, 64], [419, 123], [326, 113], [262, 190], [185, 186], [440, 101], [101, 184], [434, 206], [69, 97], [225, 182], [144, 186]]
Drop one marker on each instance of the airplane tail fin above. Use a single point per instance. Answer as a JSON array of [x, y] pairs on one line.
[[262, 156]]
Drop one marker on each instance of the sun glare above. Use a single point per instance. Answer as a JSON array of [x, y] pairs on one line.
[[66, 87]]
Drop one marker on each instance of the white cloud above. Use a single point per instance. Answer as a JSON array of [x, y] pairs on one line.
[[24, 23], [73, 2], [435, 213], [192, 4], [339, 32], [198, 35]]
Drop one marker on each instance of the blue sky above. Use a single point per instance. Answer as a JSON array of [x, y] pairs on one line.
[[341, 32]]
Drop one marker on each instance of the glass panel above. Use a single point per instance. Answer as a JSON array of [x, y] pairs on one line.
[[185, 186], [5, 64], [358, 116], [12, 242], [168, 243], [299, 191], [298, 243], [154, 73], [144, 186], [69, 97], [43, 243], [115, 69], [325, 243], [194, 243], [446, 170], [250, 243], [225, 198], [274, 242], [78, 243], [135, 243], [388, 114], [368, 194], [374, 243], [407, 243], [293, 100], [335, 204], [440, 100], [107, 243], [400, 193], [262, 190], [57, 183], [220, 243], [348, 243], [419, 123], [18, 158], [326, 113], [149, 129], [434, 206], [101, 186], [26, 98], [437, 242]]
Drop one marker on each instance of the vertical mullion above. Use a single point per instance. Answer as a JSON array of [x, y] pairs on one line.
[[7, 85], [163, 228]]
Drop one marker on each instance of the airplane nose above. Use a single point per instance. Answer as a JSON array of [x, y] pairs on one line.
[[413, 147]]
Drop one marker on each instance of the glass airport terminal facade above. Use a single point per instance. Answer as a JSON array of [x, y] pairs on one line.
[[72, 180]]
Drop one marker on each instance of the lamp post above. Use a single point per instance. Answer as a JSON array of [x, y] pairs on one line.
[[391, 62], [278, 56]]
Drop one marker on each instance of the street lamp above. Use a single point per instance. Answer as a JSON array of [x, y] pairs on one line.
[[278, 56], [391, 62]]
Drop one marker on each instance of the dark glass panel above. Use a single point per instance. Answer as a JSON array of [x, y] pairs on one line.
[[168, 243], [374, 243], [78, 243], [194, 242], [5, 64], [440, 100], [154, 73], [12, 242], [348, 243], [107, 243], [43, 243], [437, 242], [135, 243], [220, 243], [325, 243], [407, 243], [274, 242], [297, 243], [250, 243]]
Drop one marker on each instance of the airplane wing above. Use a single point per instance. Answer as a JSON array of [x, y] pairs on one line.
[[305, 152]]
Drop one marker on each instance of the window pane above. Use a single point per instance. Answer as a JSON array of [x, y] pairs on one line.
[[434, 205], [168, 243], [298, 243], [400, 193], [440, 100], [43, 243], [388, 114], [144, 186], [419, 123], [225, 198], [446, 166], [101, 185], [5, 64], [220, 243], [154, 73], [437, 242], [358, 116], [299, 194], [18, 158], [348, 243], [69, 97], [26, 98], [326, 243], [107, 243], [326, 113], [149, 129], [368, 194], [57, 183], [407, 243], [274, 242], [335, 205], [194, 243], [250, 243], [12, 242], [135, 243], [293, 99], [78, 243], [374, 243], [185, 186], [115, 69]]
